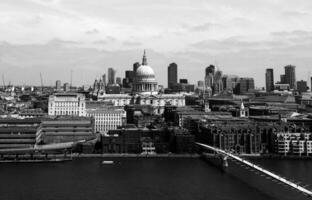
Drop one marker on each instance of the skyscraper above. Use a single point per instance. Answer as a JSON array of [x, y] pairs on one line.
[[111, 75], [269, 80], [210, 70], [302, 86], [282, 79], [66, 87], [290, 76], [136, 66], [172, 74], [118, 81], [200, 84], [58, 85], [209, 78], [230, 82], [217, 82], [104, 79], [246, 84]]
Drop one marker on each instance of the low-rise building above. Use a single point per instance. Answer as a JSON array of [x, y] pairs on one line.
[[18, 133], [148, 141], [65, 129], [106, 119], [293, 143]]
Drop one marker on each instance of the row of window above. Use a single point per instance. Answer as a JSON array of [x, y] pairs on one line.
[[66, 104], [66, 112]]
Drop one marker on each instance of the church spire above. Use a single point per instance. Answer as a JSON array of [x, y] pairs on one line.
[[144, 60]]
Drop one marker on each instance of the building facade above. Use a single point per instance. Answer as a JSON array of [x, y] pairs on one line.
[[64, 129], [293, 143], [106, 119], [66, 87], [58, 85], [269, 80], [246, 84], [18, 133], [111, 75], [67, 104], [290, 76], [209, 78], [302, 86], [172, 74]]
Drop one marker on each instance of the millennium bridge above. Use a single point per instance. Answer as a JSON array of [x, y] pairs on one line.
[[249, 164]]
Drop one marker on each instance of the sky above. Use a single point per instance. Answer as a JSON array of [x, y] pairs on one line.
[[242, 37]]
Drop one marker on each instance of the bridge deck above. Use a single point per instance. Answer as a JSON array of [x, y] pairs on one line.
[[264, 171]]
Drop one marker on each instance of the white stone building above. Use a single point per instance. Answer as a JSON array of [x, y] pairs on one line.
[[67, 104], [106, 119]]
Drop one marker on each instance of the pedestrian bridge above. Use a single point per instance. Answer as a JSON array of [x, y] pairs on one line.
[[266, 172]]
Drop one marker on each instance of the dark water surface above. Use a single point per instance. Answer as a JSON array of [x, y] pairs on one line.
[[149, 178]]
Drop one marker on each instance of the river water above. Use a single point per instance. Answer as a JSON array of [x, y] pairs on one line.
[[148, 178]]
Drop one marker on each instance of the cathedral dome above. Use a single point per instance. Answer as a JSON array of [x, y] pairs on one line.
[[145, 74], [145, 71], [144, 81]]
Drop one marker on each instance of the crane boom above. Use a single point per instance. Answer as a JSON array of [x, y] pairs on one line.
[[41, 82], [3, 81]]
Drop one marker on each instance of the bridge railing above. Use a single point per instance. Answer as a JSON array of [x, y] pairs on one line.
[[254, 166]]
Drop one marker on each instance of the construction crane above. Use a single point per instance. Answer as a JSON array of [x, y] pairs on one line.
[[71, 78], [41, 82], [3, 81]]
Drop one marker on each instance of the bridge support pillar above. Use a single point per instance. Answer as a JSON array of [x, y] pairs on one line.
[[225, 163]]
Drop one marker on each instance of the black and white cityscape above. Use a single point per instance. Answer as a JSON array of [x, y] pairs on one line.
[[155, 99]]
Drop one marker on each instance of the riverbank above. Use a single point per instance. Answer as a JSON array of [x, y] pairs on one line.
[[66, 157], [277, 157], [48, 157], [126, 155]]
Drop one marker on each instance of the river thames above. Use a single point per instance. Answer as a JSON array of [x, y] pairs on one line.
[[148, 178]]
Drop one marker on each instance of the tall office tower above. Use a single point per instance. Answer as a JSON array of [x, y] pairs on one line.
[[229, 82], [209, 74], [104, 79], [129, 75], [172, 74], [200, 84], [269, 80], [282, 79], [136, 66], [290, 76], [210, 70], [66, 87], [217, 82], [183, 81], [118, 81], [111, 75], [246, 84], [58, 85], [302, 86]]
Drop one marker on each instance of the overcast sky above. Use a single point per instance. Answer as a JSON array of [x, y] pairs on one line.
[[241, 37]]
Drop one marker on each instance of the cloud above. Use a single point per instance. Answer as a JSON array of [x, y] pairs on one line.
[[241, 33], [132, 44], [202, 27], [93, 31]]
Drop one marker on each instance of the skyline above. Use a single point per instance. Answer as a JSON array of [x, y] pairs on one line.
[[54, 37]]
